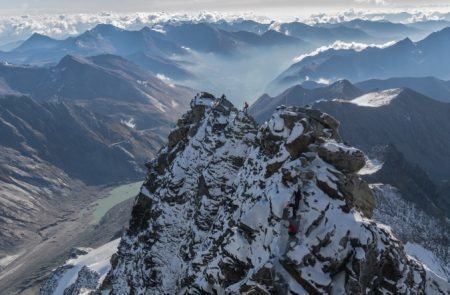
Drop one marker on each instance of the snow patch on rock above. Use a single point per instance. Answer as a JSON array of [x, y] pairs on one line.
[[377, 99], [429, 260], [96, 261], [372, 166]]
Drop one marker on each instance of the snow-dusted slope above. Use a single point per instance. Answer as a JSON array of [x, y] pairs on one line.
[[377, 99], [212, 216], [82, 273], [429, 260], [426, 236]]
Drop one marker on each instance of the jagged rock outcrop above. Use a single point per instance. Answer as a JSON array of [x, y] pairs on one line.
[[213, 215]]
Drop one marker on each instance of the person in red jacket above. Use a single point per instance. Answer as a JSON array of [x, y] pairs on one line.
[[292, 229]]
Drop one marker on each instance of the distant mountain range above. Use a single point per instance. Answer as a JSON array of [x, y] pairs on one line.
[[101, 39], [87, 146], [155, 47], [175, 40], [430, 86], [241, 25], [417, 125], [204, 38], [106, 84], [321, 35], [382, 31], [405, 58], [301, 95]]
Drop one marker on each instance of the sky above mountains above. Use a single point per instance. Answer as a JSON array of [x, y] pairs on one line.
[[61, 18], [309, 6]]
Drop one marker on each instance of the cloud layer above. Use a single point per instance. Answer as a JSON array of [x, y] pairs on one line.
[[13, 28], [340, 45]]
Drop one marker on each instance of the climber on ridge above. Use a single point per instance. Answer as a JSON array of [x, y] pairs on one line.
[[292, 207], [297, 197], [245, 107], [292, 229]]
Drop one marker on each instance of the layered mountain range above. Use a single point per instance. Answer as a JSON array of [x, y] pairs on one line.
[[414, 123], [402, 59], [106, 84], [174, 40], [186, 51]]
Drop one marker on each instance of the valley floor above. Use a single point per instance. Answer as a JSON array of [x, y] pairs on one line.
[[87, 224]]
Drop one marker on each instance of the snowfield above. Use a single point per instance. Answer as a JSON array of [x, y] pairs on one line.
[[377, 99], [97, 260], [429, 260]]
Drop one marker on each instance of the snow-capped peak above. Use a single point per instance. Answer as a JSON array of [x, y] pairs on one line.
[[229, 208]]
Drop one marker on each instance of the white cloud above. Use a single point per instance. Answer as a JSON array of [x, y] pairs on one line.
[[165, 79], [14, 28], [324, 81], [376, 2], [393, 15], [340, 45]]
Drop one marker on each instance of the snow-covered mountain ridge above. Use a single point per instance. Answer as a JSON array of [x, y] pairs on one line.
[[213, 215]]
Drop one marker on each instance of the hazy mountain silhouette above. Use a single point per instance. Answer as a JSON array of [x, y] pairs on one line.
[[430, 86], [106, 84], [301, 96], [417, 125], [405, 58]]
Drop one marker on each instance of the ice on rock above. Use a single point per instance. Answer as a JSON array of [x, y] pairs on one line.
[[85, 272], [334, 146], [377, 99], [296, 132]]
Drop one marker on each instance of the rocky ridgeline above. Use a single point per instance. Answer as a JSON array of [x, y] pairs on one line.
[[213, 215]]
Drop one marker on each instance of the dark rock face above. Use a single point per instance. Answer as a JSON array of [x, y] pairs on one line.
[[206, 223], [414, 183], [350, 161]]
